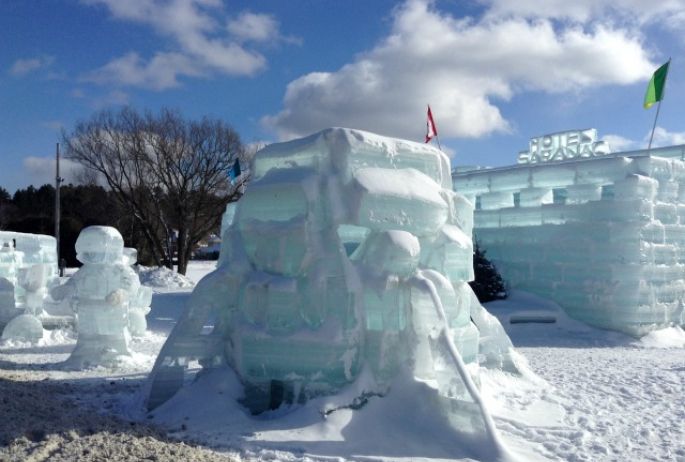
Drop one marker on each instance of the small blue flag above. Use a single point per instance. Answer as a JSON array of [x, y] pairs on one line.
[[234, 172]]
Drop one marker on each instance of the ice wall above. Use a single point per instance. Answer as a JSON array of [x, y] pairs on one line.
[[348, 251], [604, 237]]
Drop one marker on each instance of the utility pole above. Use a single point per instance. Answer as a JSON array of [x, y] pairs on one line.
[[58, 180]]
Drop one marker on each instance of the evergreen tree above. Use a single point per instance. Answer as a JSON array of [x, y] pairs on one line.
[[488, 285]]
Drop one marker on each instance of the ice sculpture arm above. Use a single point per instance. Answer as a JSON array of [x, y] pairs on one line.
[[63, 291], [129, 281]]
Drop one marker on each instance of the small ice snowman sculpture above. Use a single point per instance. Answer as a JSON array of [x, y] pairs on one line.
[[102, 288]]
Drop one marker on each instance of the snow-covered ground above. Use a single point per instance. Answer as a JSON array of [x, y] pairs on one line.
[[593, 396]]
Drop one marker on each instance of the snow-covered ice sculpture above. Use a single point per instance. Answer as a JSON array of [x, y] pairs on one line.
[[139, 304], [348, 251], [102, 288]]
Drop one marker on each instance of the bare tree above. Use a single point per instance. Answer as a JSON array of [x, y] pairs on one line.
[[168, 173]]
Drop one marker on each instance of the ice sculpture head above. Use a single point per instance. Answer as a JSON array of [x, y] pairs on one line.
[[99, 244]]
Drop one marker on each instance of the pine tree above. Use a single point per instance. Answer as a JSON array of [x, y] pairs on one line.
[[488, 285]]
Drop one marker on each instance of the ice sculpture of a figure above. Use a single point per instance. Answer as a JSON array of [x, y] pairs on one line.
[[33, 279], [101, 288], [9, 264], [139, 304], [25, 274], [348, 251], [40, 250]]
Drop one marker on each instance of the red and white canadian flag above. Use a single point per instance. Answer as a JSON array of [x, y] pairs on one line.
[[431, 131]]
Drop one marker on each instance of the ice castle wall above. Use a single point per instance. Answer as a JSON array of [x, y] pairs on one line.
[[604, 237]]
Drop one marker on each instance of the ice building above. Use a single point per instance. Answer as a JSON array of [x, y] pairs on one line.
[[349, 252], [601, 234]]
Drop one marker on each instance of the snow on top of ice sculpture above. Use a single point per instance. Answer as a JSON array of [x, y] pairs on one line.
[[347, 150], [407, 184]]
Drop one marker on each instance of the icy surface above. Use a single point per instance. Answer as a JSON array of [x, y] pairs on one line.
[[347, 257]]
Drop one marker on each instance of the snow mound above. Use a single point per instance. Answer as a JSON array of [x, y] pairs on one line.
[[670, 337], [160, 278]]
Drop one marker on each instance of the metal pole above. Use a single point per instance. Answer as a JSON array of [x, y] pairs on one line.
[[663, 93], [58, 180], [649, 148]]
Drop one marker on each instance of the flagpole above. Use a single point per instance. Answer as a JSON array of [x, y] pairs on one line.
[[663, 93], [431, 129], [649, 148], [58, 180]]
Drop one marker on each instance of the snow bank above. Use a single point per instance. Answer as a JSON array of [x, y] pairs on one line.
[[163, 279]]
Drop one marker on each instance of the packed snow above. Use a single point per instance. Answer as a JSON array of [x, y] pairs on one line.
[[592, 395]]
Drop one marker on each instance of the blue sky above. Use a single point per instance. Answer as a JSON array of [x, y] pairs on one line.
[[495, 72]]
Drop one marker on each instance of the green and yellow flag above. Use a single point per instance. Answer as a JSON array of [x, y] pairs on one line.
[[655, 91]]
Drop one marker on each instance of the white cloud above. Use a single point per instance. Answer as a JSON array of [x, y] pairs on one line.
[[160, 73], [42, 170], [202, 46], [462, 67], [663, 137], [21, 67], [619, 143], [250, 26], [631, 11]]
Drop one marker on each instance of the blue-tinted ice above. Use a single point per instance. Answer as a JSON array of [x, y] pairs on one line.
[[348, 251]]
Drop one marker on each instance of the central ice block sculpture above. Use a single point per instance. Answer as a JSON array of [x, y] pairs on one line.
[[348, 250]]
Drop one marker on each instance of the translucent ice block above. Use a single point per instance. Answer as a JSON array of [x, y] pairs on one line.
[[580, 194], [534, 197], [496, 200], [397, 199], [602, 171], [636, 187], [554, 176], [510, 179]]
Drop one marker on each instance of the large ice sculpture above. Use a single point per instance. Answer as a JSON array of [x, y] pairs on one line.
[[102, 288], [348, 251]]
